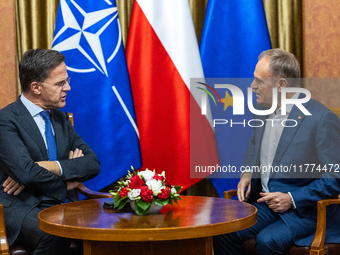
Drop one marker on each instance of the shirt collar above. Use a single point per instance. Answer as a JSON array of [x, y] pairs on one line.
[[31, 107]]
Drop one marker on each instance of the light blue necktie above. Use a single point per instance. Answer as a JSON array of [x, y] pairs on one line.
[[51, 145]]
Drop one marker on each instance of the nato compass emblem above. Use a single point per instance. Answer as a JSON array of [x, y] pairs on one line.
[[90, 34]]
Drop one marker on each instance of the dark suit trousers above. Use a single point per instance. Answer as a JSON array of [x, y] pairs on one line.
[[42, 242], [273, 236]]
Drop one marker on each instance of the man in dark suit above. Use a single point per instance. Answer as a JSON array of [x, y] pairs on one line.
[[303, 160], [41, 155]]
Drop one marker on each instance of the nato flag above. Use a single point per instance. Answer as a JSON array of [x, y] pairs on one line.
[[88, 34]]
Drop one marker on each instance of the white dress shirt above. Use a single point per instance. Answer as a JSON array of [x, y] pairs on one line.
[[270, 140], [35, 110]]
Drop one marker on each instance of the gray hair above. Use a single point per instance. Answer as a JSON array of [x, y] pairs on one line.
[[283, 64]]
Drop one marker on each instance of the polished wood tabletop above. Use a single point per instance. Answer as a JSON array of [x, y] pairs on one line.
[[192, 217], [184, 228]]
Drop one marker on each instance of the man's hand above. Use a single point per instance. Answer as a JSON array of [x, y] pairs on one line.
[[242, 185], [72, 185], [74, 154], [277, 201], [11, 186]]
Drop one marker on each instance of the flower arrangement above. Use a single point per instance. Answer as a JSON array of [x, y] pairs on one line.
[[144, 188]]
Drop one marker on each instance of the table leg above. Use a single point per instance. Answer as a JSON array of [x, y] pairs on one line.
[[197, 246]]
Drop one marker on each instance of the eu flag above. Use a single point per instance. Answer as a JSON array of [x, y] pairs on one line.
[[88, 34], [234, 34]]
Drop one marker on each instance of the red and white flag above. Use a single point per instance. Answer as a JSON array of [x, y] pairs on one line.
[[162, 55]]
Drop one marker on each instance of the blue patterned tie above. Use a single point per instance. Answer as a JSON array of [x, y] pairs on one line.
[[51, 145]]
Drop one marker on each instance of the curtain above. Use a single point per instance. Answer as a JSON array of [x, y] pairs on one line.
[[124, 13], [35, 21], [284, 19]]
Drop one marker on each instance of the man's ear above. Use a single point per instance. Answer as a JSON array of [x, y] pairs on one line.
[[36, 88], [281, 83]]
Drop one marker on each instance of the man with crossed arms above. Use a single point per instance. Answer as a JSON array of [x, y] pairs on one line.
[[287, 201], [41, 155]]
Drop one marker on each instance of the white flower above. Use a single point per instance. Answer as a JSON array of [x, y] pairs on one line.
[[147, 175], [173, 190], [133, 194], [155, 186]]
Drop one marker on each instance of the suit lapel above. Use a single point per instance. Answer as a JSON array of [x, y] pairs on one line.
[[288, 133], [25, 119], [259, 133]]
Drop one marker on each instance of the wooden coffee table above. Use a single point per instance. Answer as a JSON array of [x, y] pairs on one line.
[[186, 228]]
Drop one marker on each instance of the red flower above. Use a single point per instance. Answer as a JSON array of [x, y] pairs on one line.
[[167, 183], [146, 194], [136, 182], [158, 177], [123, 192], [164, 194]]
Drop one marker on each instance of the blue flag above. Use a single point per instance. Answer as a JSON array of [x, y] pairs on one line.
[[234, 34], [88, 33]]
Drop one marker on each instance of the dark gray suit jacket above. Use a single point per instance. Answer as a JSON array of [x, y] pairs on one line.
[[21, 145]]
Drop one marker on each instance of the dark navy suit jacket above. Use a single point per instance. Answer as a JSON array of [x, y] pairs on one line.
[[21, 145], [315, 140]]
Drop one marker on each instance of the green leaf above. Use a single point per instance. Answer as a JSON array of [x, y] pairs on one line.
[[116, 196], [139, 210], [122, 204], [177, 198], [143, 205], [177, 188], [161, 202], [116, 204], [117, 201]]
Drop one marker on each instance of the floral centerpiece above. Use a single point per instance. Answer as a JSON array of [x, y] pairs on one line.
[[145, 189]]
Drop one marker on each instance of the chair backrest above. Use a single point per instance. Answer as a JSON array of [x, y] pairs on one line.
[[70, 116], [336, 110]]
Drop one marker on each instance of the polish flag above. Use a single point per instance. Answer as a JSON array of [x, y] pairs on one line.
[[162, 56]]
